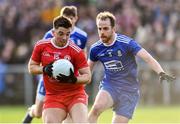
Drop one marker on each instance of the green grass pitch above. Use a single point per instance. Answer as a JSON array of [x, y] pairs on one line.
[[166, 114]]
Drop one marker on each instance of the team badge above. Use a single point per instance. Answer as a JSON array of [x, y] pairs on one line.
[[110, 54], [67, 57], [119, 53]]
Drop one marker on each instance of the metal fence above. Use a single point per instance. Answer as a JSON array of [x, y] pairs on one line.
[[20, 86]]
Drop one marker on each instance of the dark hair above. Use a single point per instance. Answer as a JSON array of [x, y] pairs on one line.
[[69, 11], [61, 21], [106, 15]]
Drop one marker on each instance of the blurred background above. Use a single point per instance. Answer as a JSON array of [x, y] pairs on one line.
[[155, 24]]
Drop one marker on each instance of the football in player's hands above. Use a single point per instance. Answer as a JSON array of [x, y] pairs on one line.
[[67, 79], [62, 67], [47, 69]]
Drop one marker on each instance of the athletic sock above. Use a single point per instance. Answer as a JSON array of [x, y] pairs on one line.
[[27, 119]]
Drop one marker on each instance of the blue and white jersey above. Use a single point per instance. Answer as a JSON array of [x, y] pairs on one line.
[[78, 36], [119, 62]]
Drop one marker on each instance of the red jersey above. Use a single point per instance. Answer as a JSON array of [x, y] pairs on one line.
[[45, 52]]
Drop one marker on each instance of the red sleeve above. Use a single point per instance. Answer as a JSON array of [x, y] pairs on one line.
[[36, 54], [80, 60]]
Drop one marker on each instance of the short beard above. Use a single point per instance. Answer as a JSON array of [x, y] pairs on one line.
[[108, 39]]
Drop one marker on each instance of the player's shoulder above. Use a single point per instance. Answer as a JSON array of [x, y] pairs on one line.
[[43, 42], [123, 38], [79, 31], [74, 47], [96, 45], [48, 34]]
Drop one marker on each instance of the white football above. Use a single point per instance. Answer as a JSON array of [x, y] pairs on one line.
[[62, 66]]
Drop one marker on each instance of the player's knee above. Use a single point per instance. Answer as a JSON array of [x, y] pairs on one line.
[[52, 119], [47, 120]]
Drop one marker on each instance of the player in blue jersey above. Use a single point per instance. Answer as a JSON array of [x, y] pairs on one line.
[[119, 88], [79, 37]]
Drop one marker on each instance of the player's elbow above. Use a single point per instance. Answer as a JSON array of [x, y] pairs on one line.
[[30, 69], [85, 76], [88, 79]]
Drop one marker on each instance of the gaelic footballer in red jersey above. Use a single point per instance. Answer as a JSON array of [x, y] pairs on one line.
[[62, 96]]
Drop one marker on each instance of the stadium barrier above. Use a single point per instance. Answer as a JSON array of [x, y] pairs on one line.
[[20, 87]]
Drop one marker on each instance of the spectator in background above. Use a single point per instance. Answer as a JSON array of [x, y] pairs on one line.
[[26, 16]]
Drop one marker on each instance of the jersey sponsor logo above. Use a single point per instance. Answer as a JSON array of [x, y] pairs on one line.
[[114, 65], [45, 53], [111, 53]]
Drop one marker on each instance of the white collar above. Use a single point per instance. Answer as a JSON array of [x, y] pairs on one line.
[[58, 46]]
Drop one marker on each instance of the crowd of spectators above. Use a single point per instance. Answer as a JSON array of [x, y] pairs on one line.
[[155, 24]]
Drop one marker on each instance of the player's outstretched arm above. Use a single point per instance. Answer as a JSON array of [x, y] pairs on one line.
[[154, 65], [35, 67]]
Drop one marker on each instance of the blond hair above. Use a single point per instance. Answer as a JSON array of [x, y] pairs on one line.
[[106, 15]]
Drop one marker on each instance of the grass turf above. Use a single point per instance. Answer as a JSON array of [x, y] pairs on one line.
[[151, 114]]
